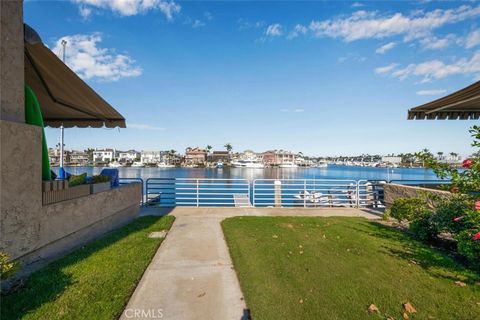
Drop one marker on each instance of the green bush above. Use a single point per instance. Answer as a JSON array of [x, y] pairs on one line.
[[7, 267], [469, 248], [76, 180], [100, 179], [423, 226], [447, 210], [406, 209]]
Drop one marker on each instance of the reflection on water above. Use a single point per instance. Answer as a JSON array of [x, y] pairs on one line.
[[331, 172]]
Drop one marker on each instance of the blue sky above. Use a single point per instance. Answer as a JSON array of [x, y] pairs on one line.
[[324, 78]]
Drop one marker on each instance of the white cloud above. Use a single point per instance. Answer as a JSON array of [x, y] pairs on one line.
[[198, 23], [299, 110], [436, 69], [473, 39], [244, 24], [385, 47], [85, 12], [365, 25], [386, 69], [433, 43], [274, 30], [433, 92], [141, 126], [357, 5], [297, 30], [134, 7], [296, 110], [88, 60]]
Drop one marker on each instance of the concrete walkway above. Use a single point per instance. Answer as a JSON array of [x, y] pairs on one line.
[[191, 276]]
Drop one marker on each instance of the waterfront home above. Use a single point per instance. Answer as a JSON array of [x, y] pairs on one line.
[[151, 157], [392, 160], [128, 156], [278, 157], [54, 156], [219, 156], [195, 156], [78, 158], [104, 155]]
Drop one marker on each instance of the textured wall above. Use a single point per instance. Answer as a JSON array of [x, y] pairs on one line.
[[11, 61], [20, 185], [395, 191]]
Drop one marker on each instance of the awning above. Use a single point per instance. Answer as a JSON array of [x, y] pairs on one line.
[[64, 98], [463, 104]]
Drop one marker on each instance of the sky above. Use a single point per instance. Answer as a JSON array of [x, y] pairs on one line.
[[318, 77]]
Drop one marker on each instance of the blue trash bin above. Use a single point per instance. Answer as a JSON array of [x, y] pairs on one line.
[[113, 174]]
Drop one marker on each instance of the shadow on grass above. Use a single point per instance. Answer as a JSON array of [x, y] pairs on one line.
[[48, 283], [436, 262]]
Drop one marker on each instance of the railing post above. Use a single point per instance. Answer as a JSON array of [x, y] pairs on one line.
[[358, 194], [198, 195], [304, 193]]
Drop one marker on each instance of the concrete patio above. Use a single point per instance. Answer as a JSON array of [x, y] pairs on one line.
[[192, 276]]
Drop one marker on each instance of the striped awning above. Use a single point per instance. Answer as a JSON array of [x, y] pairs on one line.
[[463, 105]]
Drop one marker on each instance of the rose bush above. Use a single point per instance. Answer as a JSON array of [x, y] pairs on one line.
[[458, 215]]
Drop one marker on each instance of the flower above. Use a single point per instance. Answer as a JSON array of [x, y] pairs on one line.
[[476, 236], [477, 205], [467, 163], [458, 218], [454, 189]]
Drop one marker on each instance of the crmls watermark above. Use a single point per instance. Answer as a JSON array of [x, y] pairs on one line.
[[143, 313]]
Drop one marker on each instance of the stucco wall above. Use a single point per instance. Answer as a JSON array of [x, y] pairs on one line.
[[395, 191], [11, 62]]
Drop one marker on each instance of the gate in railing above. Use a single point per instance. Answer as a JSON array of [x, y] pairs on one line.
[[304, 193], [216, 192]]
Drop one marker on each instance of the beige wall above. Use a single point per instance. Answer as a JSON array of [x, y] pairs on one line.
[[11, 62], [396, 191]]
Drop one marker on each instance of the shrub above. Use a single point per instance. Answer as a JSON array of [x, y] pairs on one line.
[[76, 180], [424, 227], [7, 267], [406, 209], [100, 179], [450, 212], [469, 248]]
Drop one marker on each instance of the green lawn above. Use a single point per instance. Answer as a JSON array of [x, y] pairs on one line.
[[94, 282], [334, 268]]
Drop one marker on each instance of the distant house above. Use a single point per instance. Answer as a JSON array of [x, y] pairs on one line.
[[128, 156], [104, 155], [195, 155], [217, 156], [392, 160], [78, 158], [54, 156], [152, 157], [277, 157]]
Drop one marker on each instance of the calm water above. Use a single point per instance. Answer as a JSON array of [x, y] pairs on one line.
[[331, 172]]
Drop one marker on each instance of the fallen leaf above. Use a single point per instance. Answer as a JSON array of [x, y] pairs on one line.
[[413, 262], [274, 236], [300, 246], [201, 294], [409, 308], [390, 318], [460, 283], [324, 237], [300, 301], [405, 316], [372, 308]]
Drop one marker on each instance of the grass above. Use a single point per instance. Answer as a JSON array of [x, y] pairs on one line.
[[93, 282], [334, 268]]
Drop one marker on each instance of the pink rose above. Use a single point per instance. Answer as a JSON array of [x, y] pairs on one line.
[[477, 205], [467, 163], [476, 236]]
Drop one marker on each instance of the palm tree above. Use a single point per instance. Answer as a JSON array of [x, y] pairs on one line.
[[229, 147], [209, 148], [440, 155]]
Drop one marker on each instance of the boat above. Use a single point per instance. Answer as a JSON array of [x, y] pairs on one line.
[[248, 163], [288, 164], [137, 164], [317, 198], [115, 164], [321, 165], [165, 165], [220, 165]]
